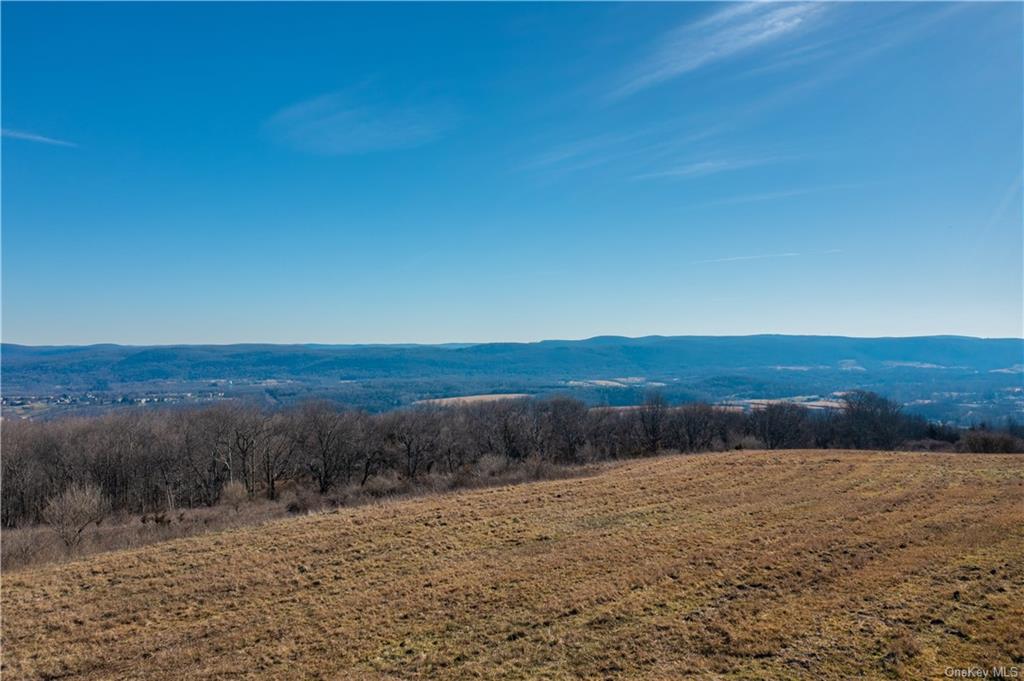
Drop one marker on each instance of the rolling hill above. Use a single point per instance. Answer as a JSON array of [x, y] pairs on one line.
[[794, 565]]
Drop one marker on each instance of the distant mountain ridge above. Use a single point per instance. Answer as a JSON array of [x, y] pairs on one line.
[[650, 353]]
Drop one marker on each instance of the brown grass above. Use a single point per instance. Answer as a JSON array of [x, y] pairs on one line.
[[34, 545], [745, 565]]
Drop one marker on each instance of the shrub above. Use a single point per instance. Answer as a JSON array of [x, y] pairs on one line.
[[749, 442], [27, 545], [435, 483], [301, 500], [385, 485], [465, 476], [74, 509], [928, 445], [490, 466], [233, 494], [537, 468], [987, 442]]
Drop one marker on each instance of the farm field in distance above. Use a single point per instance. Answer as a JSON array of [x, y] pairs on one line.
[[472, 399], [785, 564]]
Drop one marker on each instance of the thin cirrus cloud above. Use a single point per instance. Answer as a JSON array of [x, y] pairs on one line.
[[784, 194], [596, 149], [337, 124], [33, 137], [763, 256], [647, 147], [703, 168], [723, 35]]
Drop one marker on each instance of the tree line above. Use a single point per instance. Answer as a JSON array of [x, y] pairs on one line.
[[150, 461]]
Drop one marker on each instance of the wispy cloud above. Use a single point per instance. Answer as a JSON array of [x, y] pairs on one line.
[[708, 167], [763, 256], [800, 55], [32, 137], [336, 124], [858, 44], [736, 258], [798, 37], [724, 34], [645, 147], [783, 194], [592, 150]]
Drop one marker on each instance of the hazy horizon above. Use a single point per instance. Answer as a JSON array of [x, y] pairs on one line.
[[555, 171], [547, 339]]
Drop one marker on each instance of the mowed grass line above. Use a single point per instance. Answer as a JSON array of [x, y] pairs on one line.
[[753, 565]]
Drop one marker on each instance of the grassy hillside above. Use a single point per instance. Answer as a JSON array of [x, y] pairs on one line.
[[770, 565]]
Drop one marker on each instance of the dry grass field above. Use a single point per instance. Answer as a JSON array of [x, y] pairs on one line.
[[473, 399], [748, 565]]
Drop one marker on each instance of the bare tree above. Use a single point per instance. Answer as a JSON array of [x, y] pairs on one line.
[[652, 421], [249, 428], [278, 451], [870, 421], [455, 443], [203, 439], [562, 420], [780, 425], [329, 441], [416, 434], [693, 427], [32, 461], [74, 509], [613, 433]]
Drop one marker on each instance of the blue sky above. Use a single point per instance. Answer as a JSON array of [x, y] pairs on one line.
[[466, 172]]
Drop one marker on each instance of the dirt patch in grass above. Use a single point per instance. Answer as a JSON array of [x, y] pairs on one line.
[[747, 565]]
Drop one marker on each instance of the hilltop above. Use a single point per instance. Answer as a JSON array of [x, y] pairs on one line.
[[792, 564]]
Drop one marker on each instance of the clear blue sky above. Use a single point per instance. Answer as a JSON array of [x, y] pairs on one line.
[[463, 172]]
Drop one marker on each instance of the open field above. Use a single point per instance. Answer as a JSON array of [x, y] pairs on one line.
[[749, 565], [473, 399]]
